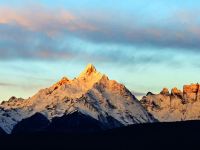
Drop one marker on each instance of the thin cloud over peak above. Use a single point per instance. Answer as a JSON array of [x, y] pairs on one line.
[[180, 33]]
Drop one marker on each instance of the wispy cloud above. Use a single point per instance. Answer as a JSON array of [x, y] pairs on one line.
[[44, 33], [7, 84], [21, 86], [138, 94], [43, 19]]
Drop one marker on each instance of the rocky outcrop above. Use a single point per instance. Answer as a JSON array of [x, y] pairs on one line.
[[174, 106], [191, 92], [12, 102], [165, 91]]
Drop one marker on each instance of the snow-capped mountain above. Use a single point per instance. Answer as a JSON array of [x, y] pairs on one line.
[[174, 106], [91, 95]]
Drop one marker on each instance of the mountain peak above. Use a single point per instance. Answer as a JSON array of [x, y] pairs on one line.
[[90, 69], [64, 80]]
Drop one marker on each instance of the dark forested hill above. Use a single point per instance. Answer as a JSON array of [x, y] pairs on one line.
[[175, 135]]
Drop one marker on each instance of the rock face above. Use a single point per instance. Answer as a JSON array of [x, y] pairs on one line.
[[91, 94], [191, 92], [174, 106]]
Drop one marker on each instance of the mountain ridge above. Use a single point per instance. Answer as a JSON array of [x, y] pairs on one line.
[[91, 93], [176, 105]]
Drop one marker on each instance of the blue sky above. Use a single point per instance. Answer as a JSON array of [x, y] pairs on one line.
[[146, 45]]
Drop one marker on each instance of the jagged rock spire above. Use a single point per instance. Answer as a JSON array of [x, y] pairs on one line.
[[88, 70], [165, 91]]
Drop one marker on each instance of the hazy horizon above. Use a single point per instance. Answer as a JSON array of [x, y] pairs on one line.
[[145, 45]]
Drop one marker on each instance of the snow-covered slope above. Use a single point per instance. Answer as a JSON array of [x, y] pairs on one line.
[[92, 94], [174, 106]]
